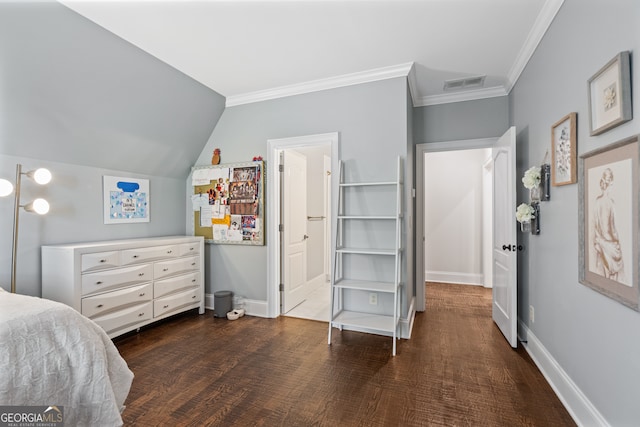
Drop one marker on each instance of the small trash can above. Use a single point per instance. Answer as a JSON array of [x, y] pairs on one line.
[[222, 303]]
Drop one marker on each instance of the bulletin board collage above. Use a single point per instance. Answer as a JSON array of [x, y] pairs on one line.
[[228, 203]]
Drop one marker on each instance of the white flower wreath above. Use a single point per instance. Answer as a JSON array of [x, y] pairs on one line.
[[525, 213], [531, 177]]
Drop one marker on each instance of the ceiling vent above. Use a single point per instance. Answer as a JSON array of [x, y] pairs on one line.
[[466, 83]]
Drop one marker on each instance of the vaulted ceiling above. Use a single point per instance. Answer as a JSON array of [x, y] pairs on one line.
[[254, 50]]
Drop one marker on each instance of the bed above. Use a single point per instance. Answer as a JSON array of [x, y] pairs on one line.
[[51, 355]]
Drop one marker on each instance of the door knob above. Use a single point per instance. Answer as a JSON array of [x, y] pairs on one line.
[[512, 248]]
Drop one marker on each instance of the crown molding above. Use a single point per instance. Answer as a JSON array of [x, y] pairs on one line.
[[412, 81], [470, 95], [541, 25], [543, 22], [377, 74]]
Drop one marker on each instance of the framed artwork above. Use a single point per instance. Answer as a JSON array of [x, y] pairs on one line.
[[125, 200], [609, 93], [228, 203], [608, 217], [564, 168]]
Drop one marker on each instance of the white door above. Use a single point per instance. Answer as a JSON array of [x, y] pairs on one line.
[[504, 258], [327, 218], [294, 211]]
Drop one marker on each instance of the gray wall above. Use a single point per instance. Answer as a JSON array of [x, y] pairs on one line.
[[372, 121], [483, 118], [594, 339], [73, 92], [83, 102], [76, 215]]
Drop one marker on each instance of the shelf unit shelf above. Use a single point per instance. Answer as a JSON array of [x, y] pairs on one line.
[[374, 322], [367, 184], [367, 217], [367, 251], [367, 285], [366, 321]]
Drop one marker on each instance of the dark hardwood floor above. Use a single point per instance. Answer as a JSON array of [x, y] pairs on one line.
[[456, 370]]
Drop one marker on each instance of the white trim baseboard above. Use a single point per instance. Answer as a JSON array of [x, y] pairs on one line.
[[577, 404], [476, 279], [208, 301], [252, 307], [406, 324], [256, 308]]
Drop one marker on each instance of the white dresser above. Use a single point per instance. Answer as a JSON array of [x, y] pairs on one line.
[[125, 284]]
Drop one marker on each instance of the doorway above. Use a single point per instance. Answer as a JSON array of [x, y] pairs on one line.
[[315, 231], [458, 217], [503, 239], [422, 150], [306, 219]]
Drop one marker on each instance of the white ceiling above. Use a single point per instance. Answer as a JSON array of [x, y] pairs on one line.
[[254, 50]]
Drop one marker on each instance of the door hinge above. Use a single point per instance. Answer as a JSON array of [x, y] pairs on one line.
[[280, 227], [281, 287], [281, 168]]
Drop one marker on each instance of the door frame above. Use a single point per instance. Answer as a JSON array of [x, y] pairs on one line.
[[421, 150], [274, 146]]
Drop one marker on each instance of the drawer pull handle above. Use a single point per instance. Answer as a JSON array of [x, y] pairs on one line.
[[166, 306], [140, 314], [135, 256], [191, 249], [169, 252], [193, 263], [193, 280], [99, 306], [103, 260], [140, 274], [142, 294], [193, 296], [99, 282], [165, 269]]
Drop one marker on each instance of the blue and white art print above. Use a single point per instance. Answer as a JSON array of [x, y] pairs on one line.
[[126, 200]]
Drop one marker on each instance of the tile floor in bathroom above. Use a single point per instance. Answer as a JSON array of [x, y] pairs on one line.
[[316, 306]]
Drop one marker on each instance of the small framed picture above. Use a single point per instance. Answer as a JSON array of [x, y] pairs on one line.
[[126, 200], [609, 93], [564, 169], [609, 253]]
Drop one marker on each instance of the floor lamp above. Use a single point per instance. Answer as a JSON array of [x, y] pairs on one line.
[[40, 206]]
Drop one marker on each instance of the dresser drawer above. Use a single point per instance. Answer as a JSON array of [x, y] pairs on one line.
[[138, 255], [100, 260], [189, 249], [109, 279], [176, 266], [110, 301], [174, 284], [126, 317], [171, 303]]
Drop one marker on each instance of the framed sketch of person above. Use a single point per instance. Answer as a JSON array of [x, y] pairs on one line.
[[608, 216], [563, 151]]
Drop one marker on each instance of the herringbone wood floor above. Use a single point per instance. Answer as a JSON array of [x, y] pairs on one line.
[[456, 370]]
